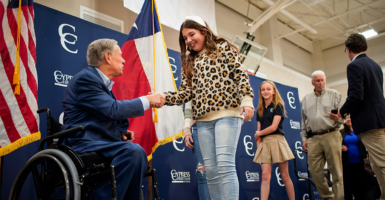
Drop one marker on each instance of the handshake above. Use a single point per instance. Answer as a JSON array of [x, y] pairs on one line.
[[156, 100]]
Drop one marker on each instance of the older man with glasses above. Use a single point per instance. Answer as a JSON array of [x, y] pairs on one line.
[[321, 137]]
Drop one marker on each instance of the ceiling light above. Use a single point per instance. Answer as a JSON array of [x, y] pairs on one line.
[[369, 33]]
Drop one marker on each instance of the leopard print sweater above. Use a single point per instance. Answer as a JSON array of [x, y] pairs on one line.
[[219, 89]]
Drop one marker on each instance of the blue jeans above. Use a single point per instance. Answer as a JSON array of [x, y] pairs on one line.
[[218, 141], [202, 181]]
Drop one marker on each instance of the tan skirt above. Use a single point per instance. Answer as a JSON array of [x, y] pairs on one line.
[[273, 149]]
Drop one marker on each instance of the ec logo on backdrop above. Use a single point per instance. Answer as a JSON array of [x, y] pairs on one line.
[[173, 67], [63, 39], [299, 146], [291, 99], [176, 142], [279, 179], [248, 145]]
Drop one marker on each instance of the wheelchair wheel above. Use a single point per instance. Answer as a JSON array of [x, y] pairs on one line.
[[73, 173], [47, 174], [51, 175]]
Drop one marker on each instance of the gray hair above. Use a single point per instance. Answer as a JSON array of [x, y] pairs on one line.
[[316, 73], [97, 49]]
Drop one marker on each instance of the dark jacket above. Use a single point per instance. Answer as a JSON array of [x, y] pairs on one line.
[[365, 102], [87, 101]]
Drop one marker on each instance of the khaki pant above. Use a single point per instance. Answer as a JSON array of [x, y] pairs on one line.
[[374, 141], [327, 148]]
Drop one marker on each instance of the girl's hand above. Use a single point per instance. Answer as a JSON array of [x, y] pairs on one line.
[[188, 140], [256, 135], [249, 113]]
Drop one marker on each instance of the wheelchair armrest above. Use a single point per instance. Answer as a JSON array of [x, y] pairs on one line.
[[61, 134], [43, 110]]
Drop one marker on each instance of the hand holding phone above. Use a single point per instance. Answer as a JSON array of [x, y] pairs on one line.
[[333, 115]]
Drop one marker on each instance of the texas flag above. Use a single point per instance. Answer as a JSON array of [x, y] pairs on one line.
[[147, 69]]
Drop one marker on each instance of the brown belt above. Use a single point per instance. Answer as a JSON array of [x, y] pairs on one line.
[[326, 131]]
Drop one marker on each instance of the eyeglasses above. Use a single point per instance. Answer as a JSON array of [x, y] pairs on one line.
[[345, 49]]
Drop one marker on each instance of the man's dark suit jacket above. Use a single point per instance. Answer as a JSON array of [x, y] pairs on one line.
[[365, 102], [87, 101]]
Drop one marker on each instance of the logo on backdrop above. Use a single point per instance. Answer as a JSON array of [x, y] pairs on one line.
[[298, 145], [252, 176], [173, 67], [291, 99], [180, 177], [62, 79], [176, 142], [248, 145], [295, 124], [302, 174], [63, 39], [279, 179]]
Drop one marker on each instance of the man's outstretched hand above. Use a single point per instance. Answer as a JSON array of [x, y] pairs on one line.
[[156, 100]]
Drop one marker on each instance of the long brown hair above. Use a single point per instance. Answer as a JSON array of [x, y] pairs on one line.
[[346, 127], [277, 99], [188, 56]]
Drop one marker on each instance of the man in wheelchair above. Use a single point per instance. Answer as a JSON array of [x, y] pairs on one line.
[[89, 101]]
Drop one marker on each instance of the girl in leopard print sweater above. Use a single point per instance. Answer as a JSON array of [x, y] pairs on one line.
[[214, 79]]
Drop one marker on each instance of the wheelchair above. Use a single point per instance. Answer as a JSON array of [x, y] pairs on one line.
[[58, 172]]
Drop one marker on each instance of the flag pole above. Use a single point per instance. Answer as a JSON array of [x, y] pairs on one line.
[[153, 50], [154, 109], [150, 181], [1, 172]]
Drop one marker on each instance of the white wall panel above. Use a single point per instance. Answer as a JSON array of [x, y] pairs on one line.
[[296, 58], [231, 23]]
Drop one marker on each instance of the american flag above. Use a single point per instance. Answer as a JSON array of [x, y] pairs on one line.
[[19, 122]]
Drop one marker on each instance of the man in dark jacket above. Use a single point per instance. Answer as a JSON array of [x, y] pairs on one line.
[[366, 104], [89, 101]]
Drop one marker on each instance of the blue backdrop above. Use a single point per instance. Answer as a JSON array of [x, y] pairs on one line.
[[61, 44]]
